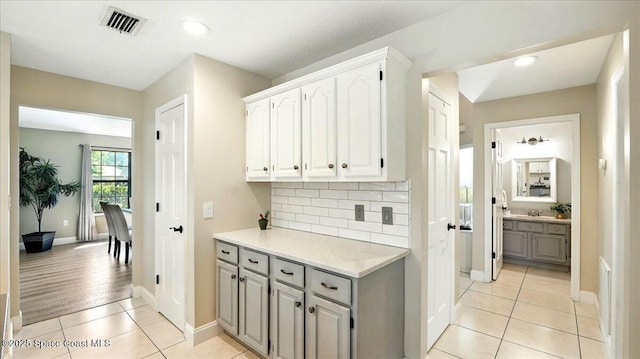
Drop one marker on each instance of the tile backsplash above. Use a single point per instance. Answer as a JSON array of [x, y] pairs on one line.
[[329, 208]]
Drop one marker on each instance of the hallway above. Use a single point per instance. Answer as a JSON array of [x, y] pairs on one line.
[[526, 313]]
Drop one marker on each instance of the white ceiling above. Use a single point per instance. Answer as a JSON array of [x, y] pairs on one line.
[[44, 119], [561, 67], [270, 38]]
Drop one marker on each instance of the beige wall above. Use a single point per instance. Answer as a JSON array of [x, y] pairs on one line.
[[466, 137], [574, 100], [43, 89], [5, 128], [62, 149]]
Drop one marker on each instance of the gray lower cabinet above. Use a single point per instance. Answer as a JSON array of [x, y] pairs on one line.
[[227, 296], [254, 310], [287, 317], [328, 330], [537, 241]]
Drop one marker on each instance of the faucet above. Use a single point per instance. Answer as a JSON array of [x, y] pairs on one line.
[[533, 212]]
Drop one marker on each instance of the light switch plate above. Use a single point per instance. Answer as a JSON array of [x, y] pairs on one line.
[[359, 212], [207, 210], [387, 215]]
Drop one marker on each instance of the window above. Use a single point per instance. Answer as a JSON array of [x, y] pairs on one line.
[[111, 172]]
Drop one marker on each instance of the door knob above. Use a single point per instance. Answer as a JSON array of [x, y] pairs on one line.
[[450, 226], [177, 229]]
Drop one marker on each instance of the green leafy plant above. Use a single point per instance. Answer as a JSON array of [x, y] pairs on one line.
[[561, 208], [265, 215], [40, 186]]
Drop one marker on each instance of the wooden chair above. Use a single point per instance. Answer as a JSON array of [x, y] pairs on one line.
[[122, 231], [110, 226]]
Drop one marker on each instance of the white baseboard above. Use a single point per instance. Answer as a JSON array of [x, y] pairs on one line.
[[456, 312], [477, 275], [148, 297], [16, 321], [202, 333], [136, 292], [588, 297]]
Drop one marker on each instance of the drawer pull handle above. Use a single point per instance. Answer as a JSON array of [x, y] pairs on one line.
[[285, 272], [298, 304], [329, 286], [312, 309], [225, 252], [556, 229], [233, 276], [252, 261]]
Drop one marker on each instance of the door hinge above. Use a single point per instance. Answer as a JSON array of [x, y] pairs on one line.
[[273, 105], [247, 169], [382, 163], [493, 144], [380, 75], [493, 200], [157, 135], [493, 255], [305, 97], [351, 323], [157, 206], [157, 278]]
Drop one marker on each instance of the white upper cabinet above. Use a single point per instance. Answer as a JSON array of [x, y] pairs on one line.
[[359, 142], [319, 130], [286, 133], [344, 123], [258, 141]]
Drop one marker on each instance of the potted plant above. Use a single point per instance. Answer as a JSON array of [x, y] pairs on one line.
[[40, 188], [264, 219], [561, 209]]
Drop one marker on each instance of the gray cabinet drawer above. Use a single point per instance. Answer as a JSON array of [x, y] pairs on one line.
[[331, 286], [507, 224], [288, 272], [227, 252], [257, 262], [556, 228], [531, 227]]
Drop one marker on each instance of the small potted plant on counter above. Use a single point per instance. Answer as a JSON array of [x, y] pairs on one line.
[[264, 219], [561, 209]]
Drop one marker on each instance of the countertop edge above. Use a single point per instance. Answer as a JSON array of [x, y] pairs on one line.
[[323, 266], [543, 219]]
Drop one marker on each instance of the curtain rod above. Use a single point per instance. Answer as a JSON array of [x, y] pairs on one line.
[[106, 148]]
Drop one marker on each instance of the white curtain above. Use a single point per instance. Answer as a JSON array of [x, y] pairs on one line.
[[87, 223]]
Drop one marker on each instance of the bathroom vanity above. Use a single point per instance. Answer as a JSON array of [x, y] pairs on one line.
[[538, 240]]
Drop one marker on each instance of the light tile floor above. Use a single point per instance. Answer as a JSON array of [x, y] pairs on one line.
[[133, 329], [527, 313]]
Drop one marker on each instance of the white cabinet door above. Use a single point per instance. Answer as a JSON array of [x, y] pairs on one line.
[[227, 296], [258, 141], [328, 330], [254, 310], [287, 318], [319, 129], [359, 122], [286, 135]]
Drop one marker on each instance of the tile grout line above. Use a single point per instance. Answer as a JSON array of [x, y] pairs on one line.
[[577, 331], [145, 333], [510, 314]]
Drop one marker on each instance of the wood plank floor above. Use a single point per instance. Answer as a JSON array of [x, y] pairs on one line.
[[71, 278]]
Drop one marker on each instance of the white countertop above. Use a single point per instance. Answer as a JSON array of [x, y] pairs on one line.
[[545, 219], [344, 256]]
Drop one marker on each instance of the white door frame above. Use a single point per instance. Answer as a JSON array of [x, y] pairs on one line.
[[575, 192], [180, 100]]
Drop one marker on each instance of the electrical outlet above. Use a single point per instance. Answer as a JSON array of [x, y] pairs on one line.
[[387, 215], [359, 212], [65, 223]]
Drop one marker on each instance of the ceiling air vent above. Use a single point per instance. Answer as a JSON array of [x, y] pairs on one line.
[[122, 21]]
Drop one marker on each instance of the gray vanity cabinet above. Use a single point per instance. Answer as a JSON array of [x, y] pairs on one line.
[[287, 317], [515, 244], [549, 248], [227, 296], [538, 241], [328, 330], [254, 310]]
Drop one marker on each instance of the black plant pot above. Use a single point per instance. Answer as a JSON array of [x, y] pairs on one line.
[[263, 223], [37, 242]]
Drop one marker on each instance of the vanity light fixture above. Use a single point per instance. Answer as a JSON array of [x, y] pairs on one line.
[[532, 141], [194, 27], [525, 61]]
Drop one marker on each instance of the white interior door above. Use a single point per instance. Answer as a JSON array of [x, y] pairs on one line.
[[170, 210], [440, 218], [497, 171]]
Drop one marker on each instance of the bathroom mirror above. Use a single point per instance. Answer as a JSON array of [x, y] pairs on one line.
[[534, 180]]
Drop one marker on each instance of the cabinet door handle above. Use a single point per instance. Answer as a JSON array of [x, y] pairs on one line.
[[312, 309], [265, 169], [233, 276], [225, 252], [533, 237], [241, 279], [330, 165], [329, 286], [524, 236], [285, 272], [295, 167], [344, 165], [556, 228], [252, 261], [298, 304]]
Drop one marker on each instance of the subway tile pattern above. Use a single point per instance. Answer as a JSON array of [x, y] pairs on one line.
[[329, 208]]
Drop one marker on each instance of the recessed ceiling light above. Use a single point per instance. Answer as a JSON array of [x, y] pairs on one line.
[[525, 61], [194, 27]]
